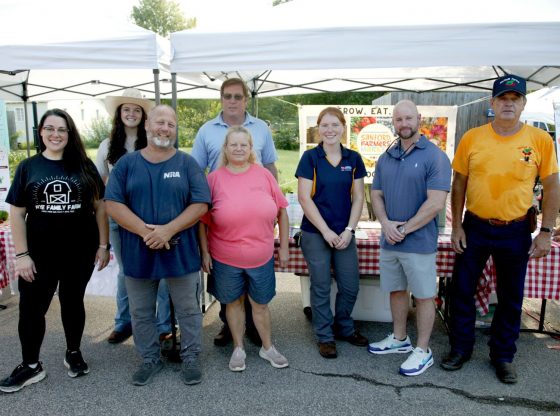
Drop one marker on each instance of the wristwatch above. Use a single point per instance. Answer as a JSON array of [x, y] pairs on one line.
[[546, 230], [350, 229], [105, 246], [401, 229]]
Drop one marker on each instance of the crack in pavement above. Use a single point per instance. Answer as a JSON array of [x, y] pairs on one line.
[[522, 402]]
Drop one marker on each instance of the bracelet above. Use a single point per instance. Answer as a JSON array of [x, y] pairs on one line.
[[20, 255]]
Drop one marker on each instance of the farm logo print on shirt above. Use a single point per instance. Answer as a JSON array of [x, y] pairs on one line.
[[58, 195]]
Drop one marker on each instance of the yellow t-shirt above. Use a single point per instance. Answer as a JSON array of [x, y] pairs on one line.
[[501, 170]]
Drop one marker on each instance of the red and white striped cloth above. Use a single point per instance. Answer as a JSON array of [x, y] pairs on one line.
[[542, 281], [7, 256]]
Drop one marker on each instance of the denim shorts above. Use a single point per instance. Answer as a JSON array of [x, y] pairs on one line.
[[230, 283]]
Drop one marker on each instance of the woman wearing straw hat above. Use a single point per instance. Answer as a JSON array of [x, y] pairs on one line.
[[127, 135]]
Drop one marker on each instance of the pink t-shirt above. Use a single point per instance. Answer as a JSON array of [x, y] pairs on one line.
[[241, 221]]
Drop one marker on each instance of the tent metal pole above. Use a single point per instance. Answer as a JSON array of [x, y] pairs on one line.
[[35, 131], [156, 86], [174, 103], [26, 117]]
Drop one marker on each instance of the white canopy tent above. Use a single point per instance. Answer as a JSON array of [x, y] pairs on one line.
[[75, 59], [540, 105], [388, 46]]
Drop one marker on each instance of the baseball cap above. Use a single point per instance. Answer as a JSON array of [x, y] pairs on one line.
[[507, 83]]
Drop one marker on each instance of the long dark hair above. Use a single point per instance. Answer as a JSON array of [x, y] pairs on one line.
[[74, 155], [117, 139]]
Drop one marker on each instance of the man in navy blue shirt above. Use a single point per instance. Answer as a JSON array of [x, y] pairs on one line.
[[411, 183], [157, 196]]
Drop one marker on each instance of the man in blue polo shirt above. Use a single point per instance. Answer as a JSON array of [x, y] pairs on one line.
[[207, 149], [410, 187]]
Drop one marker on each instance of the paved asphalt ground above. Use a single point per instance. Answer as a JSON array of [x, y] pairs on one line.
[[357, 383]]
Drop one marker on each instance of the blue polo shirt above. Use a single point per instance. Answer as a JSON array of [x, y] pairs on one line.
[[332, 185], [209, 140], [404, 182]]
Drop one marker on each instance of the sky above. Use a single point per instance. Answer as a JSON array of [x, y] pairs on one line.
[[210, 14]]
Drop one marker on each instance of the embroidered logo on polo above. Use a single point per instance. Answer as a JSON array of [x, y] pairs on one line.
[[55, 195], [526, 152], [346, 168]]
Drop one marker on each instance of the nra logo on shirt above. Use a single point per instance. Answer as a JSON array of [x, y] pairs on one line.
[[346, 168], [171, 175]]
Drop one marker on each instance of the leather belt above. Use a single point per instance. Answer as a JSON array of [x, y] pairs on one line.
[[496, 222]]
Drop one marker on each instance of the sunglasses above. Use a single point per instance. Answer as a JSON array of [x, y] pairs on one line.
[[236, 97]]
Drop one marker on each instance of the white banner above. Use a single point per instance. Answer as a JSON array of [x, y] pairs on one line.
[[4, 157], [369, 129]]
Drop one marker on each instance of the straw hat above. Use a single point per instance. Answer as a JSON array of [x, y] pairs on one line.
[[129, 96]]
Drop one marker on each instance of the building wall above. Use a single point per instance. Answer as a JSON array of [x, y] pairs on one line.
[[83, 112]]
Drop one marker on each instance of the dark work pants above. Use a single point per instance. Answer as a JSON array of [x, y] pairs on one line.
[[71, 274], [509, 246]]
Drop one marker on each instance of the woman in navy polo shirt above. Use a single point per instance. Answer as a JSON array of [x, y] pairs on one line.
[[331, 193]]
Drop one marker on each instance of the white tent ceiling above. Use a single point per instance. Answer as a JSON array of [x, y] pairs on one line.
[[75, 58], [389, 46]]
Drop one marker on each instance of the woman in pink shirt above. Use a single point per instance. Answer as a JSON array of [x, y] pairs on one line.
[[237, 242]]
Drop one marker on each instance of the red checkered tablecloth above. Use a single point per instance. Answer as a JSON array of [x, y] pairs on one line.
[[368, 255], [7, 256], [542, 282]]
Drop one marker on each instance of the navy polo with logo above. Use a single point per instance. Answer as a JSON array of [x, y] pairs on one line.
[[332, 185]]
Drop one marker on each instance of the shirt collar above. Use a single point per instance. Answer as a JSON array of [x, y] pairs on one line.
[[219, 120], [395, 150], [321, 151]]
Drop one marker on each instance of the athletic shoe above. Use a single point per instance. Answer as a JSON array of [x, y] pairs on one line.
[[418, 362], [276, 359], [75, 364], [22, 376], [390, 345], [237, 360], [190, 371], [146, 372]]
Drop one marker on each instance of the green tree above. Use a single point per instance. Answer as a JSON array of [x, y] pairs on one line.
[[161, 16]]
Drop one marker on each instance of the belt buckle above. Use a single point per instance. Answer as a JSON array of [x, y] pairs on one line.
[[495, 222]]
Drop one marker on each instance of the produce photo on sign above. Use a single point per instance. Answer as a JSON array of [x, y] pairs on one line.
[[435, 130]]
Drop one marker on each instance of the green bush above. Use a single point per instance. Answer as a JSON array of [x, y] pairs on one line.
[[286, 138], [96, 132], [14, 158], [14, 140]]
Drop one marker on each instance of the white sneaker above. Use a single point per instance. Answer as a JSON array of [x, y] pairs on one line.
[[276, 359], [390, 345], [237, 360], [418, 362]]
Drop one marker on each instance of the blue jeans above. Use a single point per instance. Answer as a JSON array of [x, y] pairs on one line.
[[320, 257], [185, 292], [122, 317], [509, 246]]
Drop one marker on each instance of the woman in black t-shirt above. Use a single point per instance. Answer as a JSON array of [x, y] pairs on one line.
[[60, 231]]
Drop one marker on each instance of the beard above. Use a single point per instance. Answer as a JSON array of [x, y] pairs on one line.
[[162, 142], [407, 136]]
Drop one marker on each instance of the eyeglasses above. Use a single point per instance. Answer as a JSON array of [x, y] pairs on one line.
[[60, 130], [236, 97]]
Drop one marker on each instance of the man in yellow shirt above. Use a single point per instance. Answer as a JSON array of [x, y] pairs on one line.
[[495, 168]]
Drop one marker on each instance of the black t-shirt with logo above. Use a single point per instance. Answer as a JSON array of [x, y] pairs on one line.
[[60, 213]]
